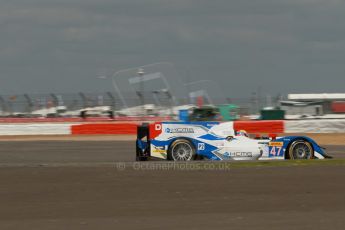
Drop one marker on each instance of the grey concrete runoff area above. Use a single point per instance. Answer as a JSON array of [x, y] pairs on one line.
[[83, 189]]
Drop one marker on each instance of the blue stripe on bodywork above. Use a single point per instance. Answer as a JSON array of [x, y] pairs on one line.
[[211, 137], [162, 143], [206, 151]]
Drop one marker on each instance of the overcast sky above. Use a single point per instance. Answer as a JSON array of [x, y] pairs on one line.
[[279, 45]]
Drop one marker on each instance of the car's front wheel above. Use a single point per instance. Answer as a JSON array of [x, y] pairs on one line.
[[181, 150], [301, 150]]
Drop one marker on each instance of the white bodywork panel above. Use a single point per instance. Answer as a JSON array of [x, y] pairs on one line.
[[243, 148], [235, 148], [223, 130]]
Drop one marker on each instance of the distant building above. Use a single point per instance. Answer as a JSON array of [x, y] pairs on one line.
[[325, 103]]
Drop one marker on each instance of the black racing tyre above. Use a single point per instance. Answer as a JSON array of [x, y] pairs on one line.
[[181, 150], [301, 150]]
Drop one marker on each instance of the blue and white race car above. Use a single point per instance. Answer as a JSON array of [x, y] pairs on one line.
[[186, 141]]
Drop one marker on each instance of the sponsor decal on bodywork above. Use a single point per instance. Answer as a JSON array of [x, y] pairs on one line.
[[179, 130], [159, 151], [238, 154], [276, 144], [201, 146]]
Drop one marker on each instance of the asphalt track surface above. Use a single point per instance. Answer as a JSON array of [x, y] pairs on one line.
[[78, 185], [83, 152]]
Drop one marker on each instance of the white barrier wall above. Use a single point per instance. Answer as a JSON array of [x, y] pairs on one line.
[[35, 129], [296, 126], [315, 126]]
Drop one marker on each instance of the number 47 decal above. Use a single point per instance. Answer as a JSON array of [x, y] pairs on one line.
[[275, 151]]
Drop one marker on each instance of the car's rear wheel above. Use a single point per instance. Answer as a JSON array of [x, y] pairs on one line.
[[181, 150], [301, 150]]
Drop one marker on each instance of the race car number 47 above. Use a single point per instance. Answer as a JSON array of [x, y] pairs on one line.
[[275, 151]]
